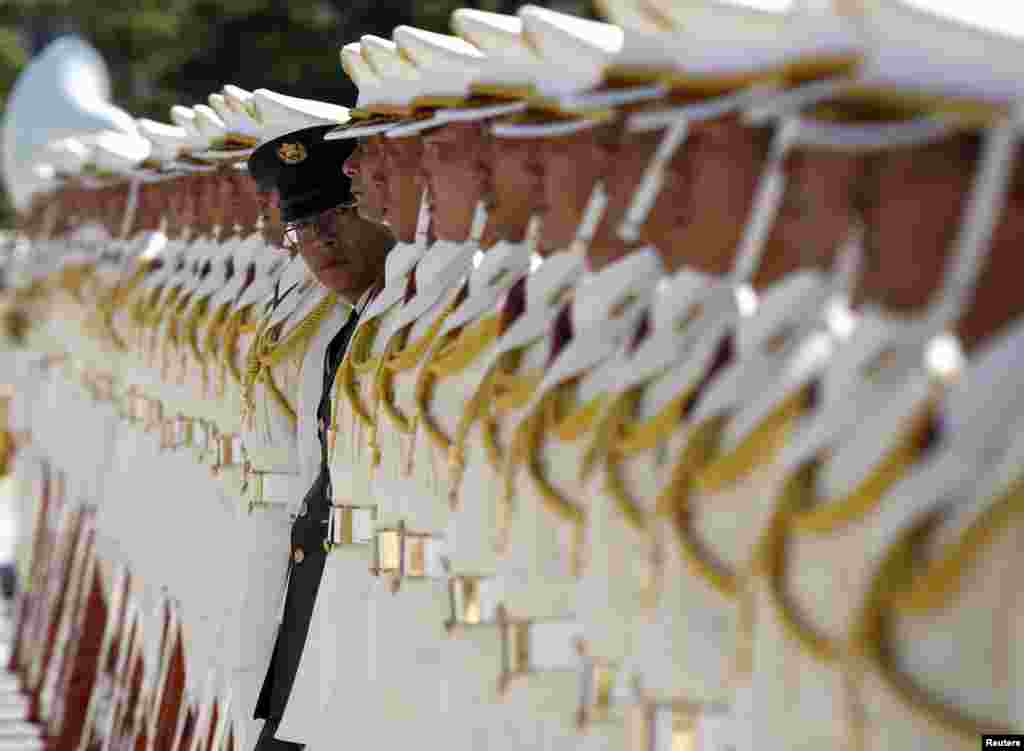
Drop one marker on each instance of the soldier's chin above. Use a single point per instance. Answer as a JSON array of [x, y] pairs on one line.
[[339, 278]]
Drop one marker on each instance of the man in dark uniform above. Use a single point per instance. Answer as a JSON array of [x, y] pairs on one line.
[[346, 253]]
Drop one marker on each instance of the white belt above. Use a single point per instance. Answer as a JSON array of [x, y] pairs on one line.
[[533, 646], [350, 525], [654, 726], [269, 489], [400, 554], [473, 601]]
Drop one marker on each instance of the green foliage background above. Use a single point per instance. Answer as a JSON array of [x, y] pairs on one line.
[[166, 52]]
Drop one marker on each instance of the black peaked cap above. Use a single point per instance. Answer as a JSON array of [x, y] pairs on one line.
[[305, 170]]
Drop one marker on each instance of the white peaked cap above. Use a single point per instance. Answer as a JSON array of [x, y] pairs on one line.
[[395, 82], [687, 41], [62, 93], [577, 50], [239, 124], [382, 97], [358, 69], [185, 118], [68, 156], [282, 114], [209, 122], [168, 140], [240, 102], [447, 65], [511, 66], [918, 50], [119, 153]]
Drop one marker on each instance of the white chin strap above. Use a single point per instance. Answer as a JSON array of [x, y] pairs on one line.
[[423, 219], [592, 216], [985, 205], [480, 216], [653, 180], [130, 209], [767, 199]]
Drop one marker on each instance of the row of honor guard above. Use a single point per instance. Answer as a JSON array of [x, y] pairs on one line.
[[682, 411]]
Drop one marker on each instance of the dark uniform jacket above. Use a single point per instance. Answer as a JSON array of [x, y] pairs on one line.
[[308, 556]]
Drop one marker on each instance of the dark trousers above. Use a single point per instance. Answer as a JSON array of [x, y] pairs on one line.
[[267, 741]]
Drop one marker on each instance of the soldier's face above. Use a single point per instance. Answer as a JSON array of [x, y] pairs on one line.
[[270, 211], [572, 165], [344, 251], [518, 186], [456, 167], [700, 213], [365, 167], [914, 202], [819, 209], [247, 209], [402, 160]]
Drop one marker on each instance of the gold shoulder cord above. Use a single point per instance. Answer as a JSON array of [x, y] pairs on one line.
[[456, 354], [701, 465], [196, 318], [553, 415], [357, 360], [801, 512], [236, 324], [175, 325], [400, 357], [165, 302], [72, 279], [617, 438], [115, 298], [267, 353], [211, 345], [898, 589]]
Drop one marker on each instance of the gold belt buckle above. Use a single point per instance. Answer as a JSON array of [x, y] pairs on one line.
[[515, 648], [658, 726], [400, 554], [465, 606], [348, 523], [597, 684]]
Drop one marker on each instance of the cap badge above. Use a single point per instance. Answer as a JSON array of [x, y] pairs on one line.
[[292, 152]]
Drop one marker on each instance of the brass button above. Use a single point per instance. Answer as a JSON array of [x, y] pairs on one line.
[[299, 555]]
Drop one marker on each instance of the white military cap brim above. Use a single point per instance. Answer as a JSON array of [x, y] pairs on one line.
[[546, 129], [455, 115], [282, 114]]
